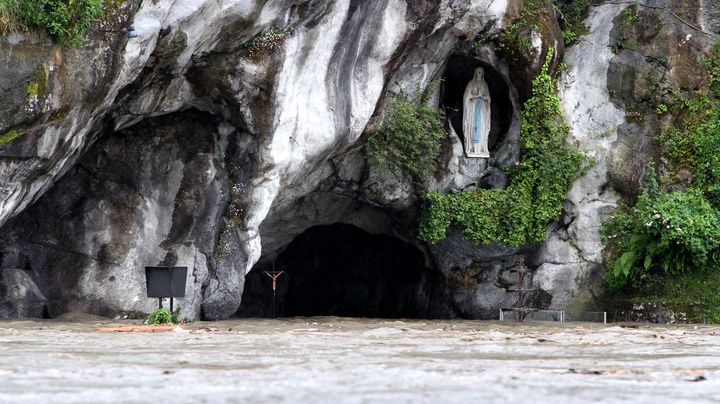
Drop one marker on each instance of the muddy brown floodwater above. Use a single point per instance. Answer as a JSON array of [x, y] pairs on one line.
[[358, 360]]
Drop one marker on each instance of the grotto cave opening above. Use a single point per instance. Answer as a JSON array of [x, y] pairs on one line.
[[459, 72], [342, 270]]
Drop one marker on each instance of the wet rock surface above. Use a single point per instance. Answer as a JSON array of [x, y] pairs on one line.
[[329, 359], [115, 167], [151, 195]]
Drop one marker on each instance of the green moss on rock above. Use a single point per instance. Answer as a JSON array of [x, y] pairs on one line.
[[33, 89], [9, 137]]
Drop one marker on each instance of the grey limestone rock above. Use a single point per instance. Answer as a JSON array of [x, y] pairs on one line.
[[187, 146]]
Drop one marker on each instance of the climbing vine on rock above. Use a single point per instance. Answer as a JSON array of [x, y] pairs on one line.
[[571, 15], [518, 214], [515, 43], [409, 139]]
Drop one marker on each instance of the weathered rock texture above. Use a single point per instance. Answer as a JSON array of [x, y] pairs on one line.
[[111, 212], [187, 147]]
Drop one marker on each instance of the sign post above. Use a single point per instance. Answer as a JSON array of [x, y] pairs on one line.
[[165, 282]]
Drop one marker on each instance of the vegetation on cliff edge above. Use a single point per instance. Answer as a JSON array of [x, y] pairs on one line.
[[66, 22]]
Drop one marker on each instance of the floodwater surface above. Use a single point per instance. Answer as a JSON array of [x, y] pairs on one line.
[[333, 360]]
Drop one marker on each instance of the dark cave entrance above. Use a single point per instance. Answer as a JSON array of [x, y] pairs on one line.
[[460, 70], [341, 270]]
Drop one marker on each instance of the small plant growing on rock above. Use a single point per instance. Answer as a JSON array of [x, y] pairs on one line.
[[9, 137], [163, 316], [571, 15], [263, 44]]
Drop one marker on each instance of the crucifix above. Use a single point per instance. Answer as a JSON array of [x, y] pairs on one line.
[[274, 275]]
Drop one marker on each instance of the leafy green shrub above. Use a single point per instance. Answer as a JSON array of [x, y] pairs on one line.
[[65, 21], [164, 316], [666, 248], [409, 139], [664, 234], [706, 156], [160, 316], [520, 213], [9, 16]]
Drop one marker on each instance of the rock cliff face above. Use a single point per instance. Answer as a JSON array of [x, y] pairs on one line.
[[191, 146]]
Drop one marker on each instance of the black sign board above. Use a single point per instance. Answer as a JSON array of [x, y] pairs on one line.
[[165, 281]]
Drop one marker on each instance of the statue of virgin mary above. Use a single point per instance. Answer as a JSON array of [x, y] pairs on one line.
[[476, 116]]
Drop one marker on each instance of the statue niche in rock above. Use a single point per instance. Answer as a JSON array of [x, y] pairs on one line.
[[476, 116]]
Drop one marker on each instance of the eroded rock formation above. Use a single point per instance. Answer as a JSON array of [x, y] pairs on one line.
[[187, 146]]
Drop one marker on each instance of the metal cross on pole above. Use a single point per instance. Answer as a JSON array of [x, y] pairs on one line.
[[520, 305], [274, 275]]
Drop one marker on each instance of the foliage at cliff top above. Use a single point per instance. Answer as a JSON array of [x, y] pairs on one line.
[[65, 21], [520, 213], [571, 15], [515, 43]]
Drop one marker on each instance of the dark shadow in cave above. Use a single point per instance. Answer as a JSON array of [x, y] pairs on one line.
[[341, 270], [460, 70]]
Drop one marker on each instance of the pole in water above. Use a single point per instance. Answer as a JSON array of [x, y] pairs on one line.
[[274, 275]]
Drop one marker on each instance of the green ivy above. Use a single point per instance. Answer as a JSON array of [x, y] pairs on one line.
[[409, 139], [571, 16], [623, 39], [712, 65], [515, 42], [520, 213]]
